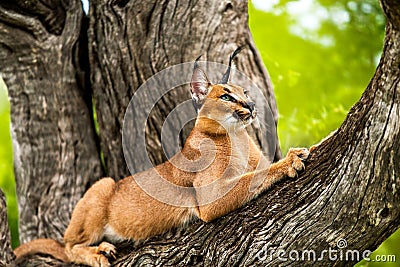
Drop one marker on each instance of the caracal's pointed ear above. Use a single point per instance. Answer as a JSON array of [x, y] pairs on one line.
[[227, 76], [199, 86]]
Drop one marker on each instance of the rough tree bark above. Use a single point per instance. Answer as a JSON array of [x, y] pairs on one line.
[[55, 153], [129, 41], [350, 189], [45, 55], [7, 257]]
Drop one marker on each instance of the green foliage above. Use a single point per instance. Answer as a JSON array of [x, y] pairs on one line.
[[318, 73], [320, 61], [7, 181], [380, 257]]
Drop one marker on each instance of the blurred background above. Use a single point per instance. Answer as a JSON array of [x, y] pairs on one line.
[[320, 54]]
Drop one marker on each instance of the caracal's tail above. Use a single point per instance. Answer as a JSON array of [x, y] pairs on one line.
[[42, 246]]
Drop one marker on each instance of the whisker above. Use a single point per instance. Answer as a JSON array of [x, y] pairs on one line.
[[223, 122], [264, 126]]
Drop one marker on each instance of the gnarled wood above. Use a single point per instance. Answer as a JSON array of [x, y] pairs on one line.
[[7, 257], [349, 191], [55, 151]]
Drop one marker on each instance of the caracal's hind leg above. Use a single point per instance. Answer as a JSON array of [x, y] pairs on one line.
[[87, 226]]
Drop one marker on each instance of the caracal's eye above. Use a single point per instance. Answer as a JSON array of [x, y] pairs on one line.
[[246, 94], [227, 97]]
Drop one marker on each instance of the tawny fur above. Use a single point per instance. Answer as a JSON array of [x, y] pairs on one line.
[[116, 211], [44, 246]]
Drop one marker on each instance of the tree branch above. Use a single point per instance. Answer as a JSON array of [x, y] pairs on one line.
[[349, 190]]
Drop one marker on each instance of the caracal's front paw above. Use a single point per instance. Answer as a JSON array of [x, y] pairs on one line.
[[294, 160], [104, 252], [107, 250]]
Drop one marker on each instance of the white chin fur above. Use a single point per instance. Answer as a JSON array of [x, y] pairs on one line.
[[233, 124]]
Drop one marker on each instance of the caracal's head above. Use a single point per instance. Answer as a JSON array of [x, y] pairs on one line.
[[222, 107]]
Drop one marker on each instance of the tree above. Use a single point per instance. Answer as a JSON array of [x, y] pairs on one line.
[[56, 62], [5, 243]]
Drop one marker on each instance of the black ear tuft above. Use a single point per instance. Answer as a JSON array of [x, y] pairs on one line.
[[199, 86], [196, 65], [226, 77]]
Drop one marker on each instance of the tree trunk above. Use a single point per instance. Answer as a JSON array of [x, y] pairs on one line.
[[55, 151], [347, 198], [129, 41], [7, 256]]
